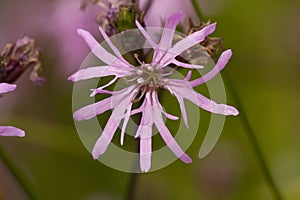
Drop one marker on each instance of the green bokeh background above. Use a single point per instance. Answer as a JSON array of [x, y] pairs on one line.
[[264, 36]]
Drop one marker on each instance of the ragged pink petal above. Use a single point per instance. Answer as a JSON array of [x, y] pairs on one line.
[[100, 91], [188, 76], [185, 65], [183, 110], [186, 43], [145, 147], [157, 104], [95, 91], [145, 133], [92, 110], [169, 30], [113, 122], [183, 89], [170, 141], [11, 131], [106, 136], [147, 36], [97, 72], [113, 47], [214, 107], [125, 122], [96, 48], [102, 106], [169, 116], [6, 87], [167, 136], [222, 62]]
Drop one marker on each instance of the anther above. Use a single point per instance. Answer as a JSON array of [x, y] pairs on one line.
[[151, 84], [166, 81], [139, 72], [136, 56], [140, 80], [150, 68]]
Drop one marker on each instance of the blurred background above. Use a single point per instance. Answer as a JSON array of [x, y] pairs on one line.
[[52, 163]]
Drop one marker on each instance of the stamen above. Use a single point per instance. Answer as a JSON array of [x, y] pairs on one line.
[[165, 81], [151, 84], [139, 72], [95, 91], [150, 68], [127, 81], [136, 56], [140, 97], [168, 73]]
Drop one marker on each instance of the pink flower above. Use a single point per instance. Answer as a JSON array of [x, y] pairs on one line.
[[160, 10], [146, 79], [9, 130]]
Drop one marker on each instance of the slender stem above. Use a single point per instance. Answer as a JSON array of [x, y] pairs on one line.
[[133, 179], [197, 9], [131, 191], [254, 142], [16, 175], [248, 130]]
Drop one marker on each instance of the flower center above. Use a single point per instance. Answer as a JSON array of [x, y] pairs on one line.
[[151, 77]]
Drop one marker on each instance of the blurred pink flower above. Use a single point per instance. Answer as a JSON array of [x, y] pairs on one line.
[[9, 130], [108, 12], [53, 24], [160, 10], [145, 80], [65, 19]]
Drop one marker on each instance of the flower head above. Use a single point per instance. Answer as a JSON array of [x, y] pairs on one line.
[[145, 81], [9, 130], [17, 57]]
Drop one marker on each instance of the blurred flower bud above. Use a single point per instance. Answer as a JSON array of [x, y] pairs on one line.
[[17, 57], [115, 16]]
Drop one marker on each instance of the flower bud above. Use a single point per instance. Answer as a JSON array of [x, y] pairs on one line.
[[17, 57], [116, 16]]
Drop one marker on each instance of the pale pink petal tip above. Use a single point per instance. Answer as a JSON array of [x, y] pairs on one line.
[[179, 13], [145, 162], [72, 78], [11, 131], [81, 31], [231, 111], [21, 133], [96, 154], [185, 158], [82, 114], [210, 28], [228, 53], [6, 87], [224, 58]]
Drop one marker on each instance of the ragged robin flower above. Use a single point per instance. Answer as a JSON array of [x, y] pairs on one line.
[[145, 81]]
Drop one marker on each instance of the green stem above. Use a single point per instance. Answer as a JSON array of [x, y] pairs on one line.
[[15, 173], [248, 130], [131, 191], [254, 142], [197, 9], [133, 177]]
